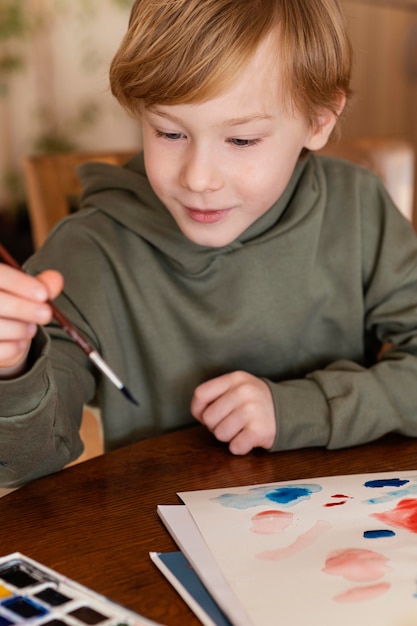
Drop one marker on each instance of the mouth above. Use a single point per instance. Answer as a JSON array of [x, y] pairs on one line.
[[207, 216]]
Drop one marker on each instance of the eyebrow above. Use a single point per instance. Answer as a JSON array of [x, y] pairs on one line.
[[238, 121], [234, 121]]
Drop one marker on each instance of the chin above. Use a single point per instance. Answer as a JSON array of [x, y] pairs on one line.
[[210, 242]]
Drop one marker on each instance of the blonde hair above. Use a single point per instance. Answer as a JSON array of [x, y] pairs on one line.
[[190, 51]]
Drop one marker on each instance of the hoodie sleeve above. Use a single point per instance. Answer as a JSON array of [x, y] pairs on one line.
[[39, 426], [347, 403]]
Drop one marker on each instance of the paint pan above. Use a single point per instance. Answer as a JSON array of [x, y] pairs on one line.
[[34, 595]]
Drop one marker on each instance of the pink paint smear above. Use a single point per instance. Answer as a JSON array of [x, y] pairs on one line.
[[271, 522], [356, 564], [302, 542], [361, 594]]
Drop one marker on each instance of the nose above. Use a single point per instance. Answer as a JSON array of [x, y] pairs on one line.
[[201, 171]]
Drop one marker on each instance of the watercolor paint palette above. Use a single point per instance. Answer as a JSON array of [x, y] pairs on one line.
[[32, 594]]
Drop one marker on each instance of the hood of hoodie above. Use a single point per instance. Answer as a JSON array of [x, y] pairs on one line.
[[125, 195]]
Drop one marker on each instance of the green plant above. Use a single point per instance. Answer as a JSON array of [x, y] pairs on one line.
[[59, 138], [24, 23], [14, 26]]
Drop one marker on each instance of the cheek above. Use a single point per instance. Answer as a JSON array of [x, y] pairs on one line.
[[266, 186], [251, 179], [157, 168], [156, 161], [278, 170]]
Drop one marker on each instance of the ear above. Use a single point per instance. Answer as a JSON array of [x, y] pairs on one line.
[[324, 125]]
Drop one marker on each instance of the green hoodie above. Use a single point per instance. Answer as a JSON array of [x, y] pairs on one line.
[[304, 298]]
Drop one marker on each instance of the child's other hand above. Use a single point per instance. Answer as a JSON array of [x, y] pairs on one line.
[[237, 408], [22, 307]]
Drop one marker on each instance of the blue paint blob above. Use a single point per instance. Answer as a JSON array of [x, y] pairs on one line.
[[386, 482], [286, 495], [378, 534]]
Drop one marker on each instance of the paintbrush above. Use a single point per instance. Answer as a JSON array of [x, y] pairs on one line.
[[76, 336]]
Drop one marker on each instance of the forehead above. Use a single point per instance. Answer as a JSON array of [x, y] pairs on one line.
[[262, 77], [263, 72], [256, 93]]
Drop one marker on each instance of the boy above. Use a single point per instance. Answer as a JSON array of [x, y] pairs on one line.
[[226, 273]]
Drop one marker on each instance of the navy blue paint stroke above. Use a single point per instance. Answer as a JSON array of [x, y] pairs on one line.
[[386, 482], [378, 534]]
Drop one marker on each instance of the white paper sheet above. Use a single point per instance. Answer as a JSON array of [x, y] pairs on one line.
[[337, 550], [188, 538]]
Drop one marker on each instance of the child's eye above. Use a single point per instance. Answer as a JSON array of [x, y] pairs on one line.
[[169, 136], [243, 143]]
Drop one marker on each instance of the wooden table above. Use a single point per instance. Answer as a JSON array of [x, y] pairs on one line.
[[96, 522]]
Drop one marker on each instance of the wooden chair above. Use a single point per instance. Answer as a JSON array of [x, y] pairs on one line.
[[52, 186]]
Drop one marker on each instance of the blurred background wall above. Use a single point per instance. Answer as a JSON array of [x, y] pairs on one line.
[[384, 39], [54, 95], [54, 58]]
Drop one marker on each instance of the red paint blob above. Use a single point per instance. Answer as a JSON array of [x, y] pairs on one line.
[[403, 516]]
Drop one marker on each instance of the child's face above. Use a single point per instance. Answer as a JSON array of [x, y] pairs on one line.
[[219, 165]]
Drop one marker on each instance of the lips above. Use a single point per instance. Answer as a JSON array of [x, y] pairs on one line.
[[207, 216]]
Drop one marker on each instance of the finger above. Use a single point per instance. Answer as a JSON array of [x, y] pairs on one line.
[[12, 352], [238, 402], [244, 414], [244, 441], [242, 435], [229, 426], [47, 285], [255, 433], [53, 281], [19, 283], [11, 330], [19, 309], [206, 393]]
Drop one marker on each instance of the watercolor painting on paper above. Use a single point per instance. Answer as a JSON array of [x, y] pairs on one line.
[[339, 549]]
